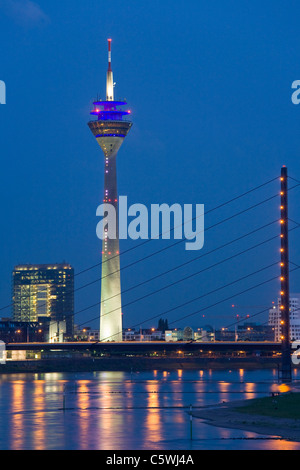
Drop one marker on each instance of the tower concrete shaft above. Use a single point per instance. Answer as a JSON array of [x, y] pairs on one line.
[[110, 131]]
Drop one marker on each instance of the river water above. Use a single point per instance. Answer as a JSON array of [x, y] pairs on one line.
[[123, 411]]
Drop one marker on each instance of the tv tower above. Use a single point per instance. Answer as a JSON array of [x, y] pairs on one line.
[[110, 131]]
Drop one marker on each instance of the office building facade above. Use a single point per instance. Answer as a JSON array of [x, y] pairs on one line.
[[44, 291], [275, 318]]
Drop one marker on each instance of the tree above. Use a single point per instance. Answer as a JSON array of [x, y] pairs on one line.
[[162, 325]]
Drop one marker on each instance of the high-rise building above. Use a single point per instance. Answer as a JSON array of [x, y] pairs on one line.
[[275, 318], [110, 130], [45, 290]]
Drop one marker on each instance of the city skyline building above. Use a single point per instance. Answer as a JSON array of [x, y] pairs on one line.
[[275, 318], [44, 290], [110, 130]]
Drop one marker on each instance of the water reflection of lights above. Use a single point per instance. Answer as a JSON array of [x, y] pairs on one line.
[[110, 411], [129, 390], [153, 422], [250, 389], [112, 376], [281, 445], [39, 417], [224, 387], [53, 376], [110, 422], [283, 388], [83, 404], [17, 406]]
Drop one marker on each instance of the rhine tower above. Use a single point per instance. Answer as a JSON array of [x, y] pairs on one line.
[[110, 130]]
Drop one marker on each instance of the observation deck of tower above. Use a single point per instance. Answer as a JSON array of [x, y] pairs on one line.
[[110, 131]]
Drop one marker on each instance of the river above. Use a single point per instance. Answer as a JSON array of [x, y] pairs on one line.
[[123, 411]]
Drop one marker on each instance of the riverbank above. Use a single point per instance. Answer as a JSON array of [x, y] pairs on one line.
[[128, 364], [277, 416]]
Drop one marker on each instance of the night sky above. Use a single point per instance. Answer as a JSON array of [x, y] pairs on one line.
[[209, 87]]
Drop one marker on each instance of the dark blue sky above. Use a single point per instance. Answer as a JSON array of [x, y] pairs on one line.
[[209, 87]]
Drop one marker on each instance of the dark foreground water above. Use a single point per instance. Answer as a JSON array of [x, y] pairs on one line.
[[120, 411]]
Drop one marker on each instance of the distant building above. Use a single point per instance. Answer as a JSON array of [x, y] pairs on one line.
[[93, 335], [57, 331], [174, 335], [255, 332], [145, 334], [86, 334], [24, 332], [224, 334], [45, 290], [246, 332], [204, 335], [188, 334], [275, 318]]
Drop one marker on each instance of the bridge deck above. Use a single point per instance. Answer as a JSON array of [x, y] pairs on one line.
[[153, 346]]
